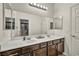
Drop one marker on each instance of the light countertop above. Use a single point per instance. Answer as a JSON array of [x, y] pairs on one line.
[[12, 44]]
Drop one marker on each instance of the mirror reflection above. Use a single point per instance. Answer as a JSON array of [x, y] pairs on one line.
[[20, 19], [58, 22]]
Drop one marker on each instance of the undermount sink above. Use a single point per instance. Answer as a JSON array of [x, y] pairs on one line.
[[40, 37]]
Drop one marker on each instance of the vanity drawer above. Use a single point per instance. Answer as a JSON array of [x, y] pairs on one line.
[[34, 47], [25, 50], [49, 43], [56, 41], [15, 52], [44, 44]]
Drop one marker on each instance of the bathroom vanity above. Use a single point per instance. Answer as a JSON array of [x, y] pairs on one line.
[[41, 47]]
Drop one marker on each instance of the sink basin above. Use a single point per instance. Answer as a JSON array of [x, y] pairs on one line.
[[40, 37]]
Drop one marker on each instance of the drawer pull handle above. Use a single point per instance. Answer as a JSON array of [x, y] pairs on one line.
[[13, 54]]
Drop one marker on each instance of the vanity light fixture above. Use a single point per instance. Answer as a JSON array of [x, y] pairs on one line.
[[38, 6]]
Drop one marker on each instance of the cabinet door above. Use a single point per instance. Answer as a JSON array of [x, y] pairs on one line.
[[61, 47], [26, 54], [52, 50], [25, 50], [40, 52]]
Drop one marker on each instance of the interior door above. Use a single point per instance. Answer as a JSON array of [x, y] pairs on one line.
[[75, 30]]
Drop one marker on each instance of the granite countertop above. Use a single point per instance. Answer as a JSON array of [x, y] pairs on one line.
[[12, 44]]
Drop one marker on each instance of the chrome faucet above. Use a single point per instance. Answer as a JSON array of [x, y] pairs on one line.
[[24, 38]]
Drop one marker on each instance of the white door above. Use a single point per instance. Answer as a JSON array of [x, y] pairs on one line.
[[75, 30]]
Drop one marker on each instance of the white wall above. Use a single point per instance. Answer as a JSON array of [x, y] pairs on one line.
[[1, 22], [63, 9], [46, 25]]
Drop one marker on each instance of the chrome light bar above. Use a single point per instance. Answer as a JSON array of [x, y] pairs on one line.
[[38, 6]]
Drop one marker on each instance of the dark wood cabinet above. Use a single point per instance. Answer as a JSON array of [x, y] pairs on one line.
[[44, 44], [25, 50], [56, 47], [56, 41], [15, 52], [28, 51], [0, 54], [52, 51], [61, 47], [49, 48], [26, 54], [50, 43], [40, 52], [35, 47]]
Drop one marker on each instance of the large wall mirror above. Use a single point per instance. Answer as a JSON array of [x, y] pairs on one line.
[[19, 22], [58, 23]]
